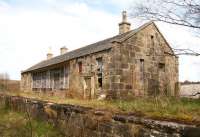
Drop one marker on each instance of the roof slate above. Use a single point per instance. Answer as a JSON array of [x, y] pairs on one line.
[[89, 49]]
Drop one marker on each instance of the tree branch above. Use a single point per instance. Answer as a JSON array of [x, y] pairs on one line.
[[184, 13]]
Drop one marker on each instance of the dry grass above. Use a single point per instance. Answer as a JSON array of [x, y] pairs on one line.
[[9, 85], [14, 124], [176, 109]]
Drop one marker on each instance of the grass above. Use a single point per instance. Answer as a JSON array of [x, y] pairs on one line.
[[171, 109], [13, 124]]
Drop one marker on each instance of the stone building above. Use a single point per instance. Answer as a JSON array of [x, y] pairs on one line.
[[135, 62]]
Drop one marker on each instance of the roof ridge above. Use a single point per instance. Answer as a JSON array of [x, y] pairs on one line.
[[134, 31], [97, 42], [101, 45]]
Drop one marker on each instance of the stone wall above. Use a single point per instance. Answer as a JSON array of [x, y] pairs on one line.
[[143, 64], [77, 84], [89, 75], [26, 82], [77, 121]]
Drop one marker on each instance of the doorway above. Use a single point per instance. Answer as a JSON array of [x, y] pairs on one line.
[[88, 87]]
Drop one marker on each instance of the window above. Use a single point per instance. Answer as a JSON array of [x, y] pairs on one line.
[[161, 66], [99, 71], [80, 67], [152, 46], [100, 64], [100, 81], [141, 69], [34, 81], [56, 78], [66, 77]]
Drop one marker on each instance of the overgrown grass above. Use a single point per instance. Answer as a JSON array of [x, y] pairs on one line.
[[13, 124], [164, 108], [180, 110]]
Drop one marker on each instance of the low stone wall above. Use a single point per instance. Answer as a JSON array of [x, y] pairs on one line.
[[77, 121]]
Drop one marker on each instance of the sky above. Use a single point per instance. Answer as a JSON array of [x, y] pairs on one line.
[[28, 28]]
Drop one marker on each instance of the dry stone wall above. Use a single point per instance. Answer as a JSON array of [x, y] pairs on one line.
[[77, 121]]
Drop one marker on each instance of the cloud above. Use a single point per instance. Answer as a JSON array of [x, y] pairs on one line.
[[26, 36], [28, 29], [4, 6]]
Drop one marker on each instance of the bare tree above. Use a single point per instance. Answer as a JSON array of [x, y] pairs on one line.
[[179, 12], [186, 52]]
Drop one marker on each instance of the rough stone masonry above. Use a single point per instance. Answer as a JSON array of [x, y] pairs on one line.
[[78, 121], [133, 63]]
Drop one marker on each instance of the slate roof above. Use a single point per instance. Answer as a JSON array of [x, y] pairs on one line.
[[92, 48]]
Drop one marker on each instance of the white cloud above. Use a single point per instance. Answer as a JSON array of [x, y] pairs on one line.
[[123, 4], [26, 34], [83, 9], [4, 6]]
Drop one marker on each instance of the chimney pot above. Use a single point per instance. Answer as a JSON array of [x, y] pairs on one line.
[[63, 50], [49, 54], [124, 26]]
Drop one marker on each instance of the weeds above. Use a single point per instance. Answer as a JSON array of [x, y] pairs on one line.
[[13, 124], [166, 108]]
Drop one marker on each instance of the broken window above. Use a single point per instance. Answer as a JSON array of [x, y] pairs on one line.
[[100, 81], [100, 64], [99, 71], [80, 67]]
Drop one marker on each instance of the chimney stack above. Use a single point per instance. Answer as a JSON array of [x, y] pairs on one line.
[[63, 50], [49, 54], [124, 26]]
